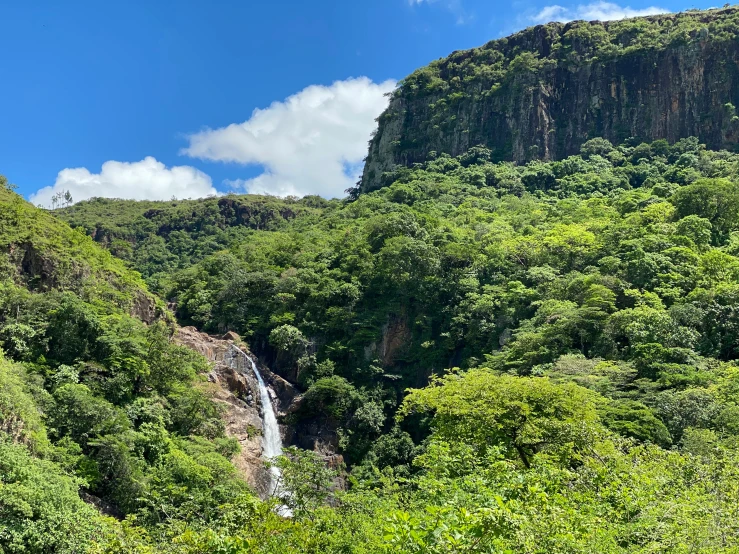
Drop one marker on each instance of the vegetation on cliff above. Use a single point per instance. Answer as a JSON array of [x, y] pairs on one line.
[[162, 237], [511, 357], [544, 91]]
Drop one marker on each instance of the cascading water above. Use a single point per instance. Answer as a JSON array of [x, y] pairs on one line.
[[272, 441], [271, 438]]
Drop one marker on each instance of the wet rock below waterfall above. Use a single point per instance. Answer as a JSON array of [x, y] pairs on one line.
[[237, 392]]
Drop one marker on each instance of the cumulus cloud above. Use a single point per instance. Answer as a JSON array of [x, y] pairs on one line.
[[311, 143], [148, 179], [601, 11]]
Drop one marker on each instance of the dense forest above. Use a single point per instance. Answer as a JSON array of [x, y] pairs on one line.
[[531, 357], [506, 357]]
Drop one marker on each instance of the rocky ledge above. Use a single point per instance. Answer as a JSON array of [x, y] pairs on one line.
[[238, 394]]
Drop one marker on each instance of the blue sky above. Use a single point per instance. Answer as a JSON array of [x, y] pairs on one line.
[[156, 98]]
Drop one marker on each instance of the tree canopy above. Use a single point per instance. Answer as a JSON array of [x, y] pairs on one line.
[[534, 358]]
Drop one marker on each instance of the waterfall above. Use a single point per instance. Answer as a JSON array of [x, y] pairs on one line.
[[271, 438]]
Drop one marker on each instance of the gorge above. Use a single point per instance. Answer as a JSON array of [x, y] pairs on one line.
[[271, 436]]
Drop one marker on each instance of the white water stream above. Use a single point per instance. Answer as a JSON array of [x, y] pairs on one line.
[[271, 438]]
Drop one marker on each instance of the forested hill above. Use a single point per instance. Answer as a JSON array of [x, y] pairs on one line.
[[96, 400], [161, 237], [588, 306], [43, 254], [516, 336], [463, 262], [542, 92]]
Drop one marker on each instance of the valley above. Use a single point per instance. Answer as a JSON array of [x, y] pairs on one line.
[[518, 332]]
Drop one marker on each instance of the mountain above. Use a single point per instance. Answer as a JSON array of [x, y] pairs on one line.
[[471, 355], [542, 92]]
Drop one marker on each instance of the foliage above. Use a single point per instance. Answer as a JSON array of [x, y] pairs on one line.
[[161, 237], [588, 304], [306, 482], [44, 254], [40, 510], [520, 416], [93, 401], [611, 269]]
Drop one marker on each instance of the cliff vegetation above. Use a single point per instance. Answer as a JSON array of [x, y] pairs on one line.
[[541, 93], [519, 334]]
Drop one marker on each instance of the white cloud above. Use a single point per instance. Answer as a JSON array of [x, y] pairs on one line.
[[550, 13], [148, 179], [312, 143], [602, 11]]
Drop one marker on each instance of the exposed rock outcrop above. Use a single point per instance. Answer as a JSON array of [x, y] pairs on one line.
[[544, 91], [238, 394], [145, 308]]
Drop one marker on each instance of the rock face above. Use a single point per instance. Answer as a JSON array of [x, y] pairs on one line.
[[396, 335], [144, 307], [238, 393], [42, 269], [543, 92]]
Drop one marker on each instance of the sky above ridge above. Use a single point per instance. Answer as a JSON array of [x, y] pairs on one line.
[[163, 99]]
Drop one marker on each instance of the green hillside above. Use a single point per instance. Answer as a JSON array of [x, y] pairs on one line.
[[509, 338], [43, 254], [588, 306], [94, 403], [161, 237]]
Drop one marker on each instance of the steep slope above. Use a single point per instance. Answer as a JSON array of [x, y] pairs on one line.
[[41, 253], [462, 261], [544, 91], [239, 399], [97, 400]]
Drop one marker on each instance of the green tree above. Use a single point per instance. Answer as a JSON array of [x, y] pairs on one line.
[[522, 415], [716, 200], [306, 482]]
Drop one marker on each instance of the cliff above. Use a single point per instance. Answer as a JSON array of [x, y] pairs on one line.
[[541, 93], [238, 395]]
